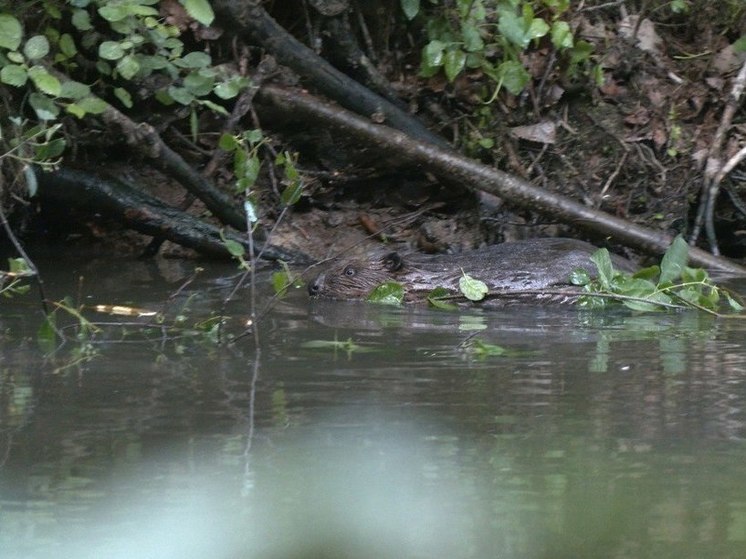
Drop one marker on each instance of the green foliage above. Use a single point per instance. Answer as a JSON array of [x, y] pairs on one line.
[[673, 284], [439, 297], [11, 282], [493, 36], [388, 293], [284, 280], [127, 41]]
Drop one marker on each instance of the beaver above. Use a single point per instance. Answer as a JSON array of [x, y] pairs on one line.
[[528, 266]]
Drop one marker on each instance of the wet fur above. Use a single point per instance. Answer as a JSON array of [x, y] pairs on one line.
[[517, 266]]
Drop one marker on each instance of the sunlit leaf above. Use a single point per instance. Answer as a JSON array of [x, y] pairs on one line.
[[36, 47], [200, 10], [11, 32], [472, 289], [675, 260]]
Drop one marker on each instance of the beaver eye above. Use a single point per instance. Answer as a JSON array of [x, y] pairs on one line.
[[349, 271]]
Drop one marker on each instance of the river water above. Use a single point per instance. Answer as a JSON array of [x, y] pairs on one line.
[[360, 430]]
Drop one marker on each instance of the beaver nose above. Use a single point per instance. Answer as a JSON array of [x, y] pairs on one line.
[[314, 288]]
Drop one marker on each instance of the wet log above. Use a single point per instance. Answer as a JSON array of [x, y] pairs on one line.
[[144, 213], [453, 167]]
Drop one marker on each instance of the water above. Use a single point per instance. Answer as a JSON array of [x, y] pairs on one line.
[[366, 431]]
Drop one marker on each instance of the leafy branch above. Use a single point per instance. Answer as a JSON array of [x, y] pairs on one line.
[[672, 284]]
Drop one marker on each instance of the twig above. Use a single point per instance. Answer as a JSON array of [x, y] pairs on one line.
[[713, 168], [19, 247]]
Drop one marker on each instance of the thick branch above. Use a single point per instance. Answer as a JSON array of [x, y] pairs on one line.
[[249, 18], [476, 176], [141, 212], [143, 138]]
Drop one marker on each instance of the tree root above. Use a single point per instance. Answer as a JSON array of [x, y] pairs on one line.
[[452, 167]]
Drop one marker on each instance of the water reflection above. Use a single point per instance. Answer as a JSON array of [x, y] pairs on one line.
[[598, 435]]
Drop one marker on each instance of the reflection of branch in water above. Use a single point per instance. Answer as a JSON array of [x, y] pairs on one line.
[[248, 481]]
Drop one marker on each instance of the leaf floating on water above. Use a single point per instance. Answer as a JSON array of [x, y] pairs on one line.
[[472, 289]]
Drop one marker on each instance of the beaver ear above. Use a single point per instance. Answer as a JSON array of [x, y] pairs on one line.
[[392, 261]]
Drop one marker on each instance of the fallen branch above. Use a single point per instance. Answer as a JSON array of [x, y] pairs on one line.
[[250, 19], [143, 213], [448, 165]]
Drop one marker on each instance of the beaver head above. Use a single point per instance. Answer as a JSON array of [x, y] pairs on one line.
[[355, 279]]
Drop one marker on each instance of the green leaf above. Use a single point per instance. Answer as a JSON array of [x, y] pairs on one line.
[[49, 151], [128, 66], [81, 20], [43, 106], [472, 39], [114, 12], [411, 8], [13, 74], [227, 142], [650, 273], [199, 10], [511, 27], [453, 63], [513, 76], [438, 299], [735, 305], [93, 105], [230, 88], [482, 350], [282, 280], [195, 60], [602, 259], [46, 336], [36, 47], [580, 276], [72, 89], [67, 45], [562, 35], [11, 32], [740, 44], [389, 293], [472, 289], [198, 84], [235, 248], [75, 110], [180, 95], [19, 266], [292, 194], [433, 53], [124, 96], [44, 81], [537, 29], [675, 260], [110, 50]]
